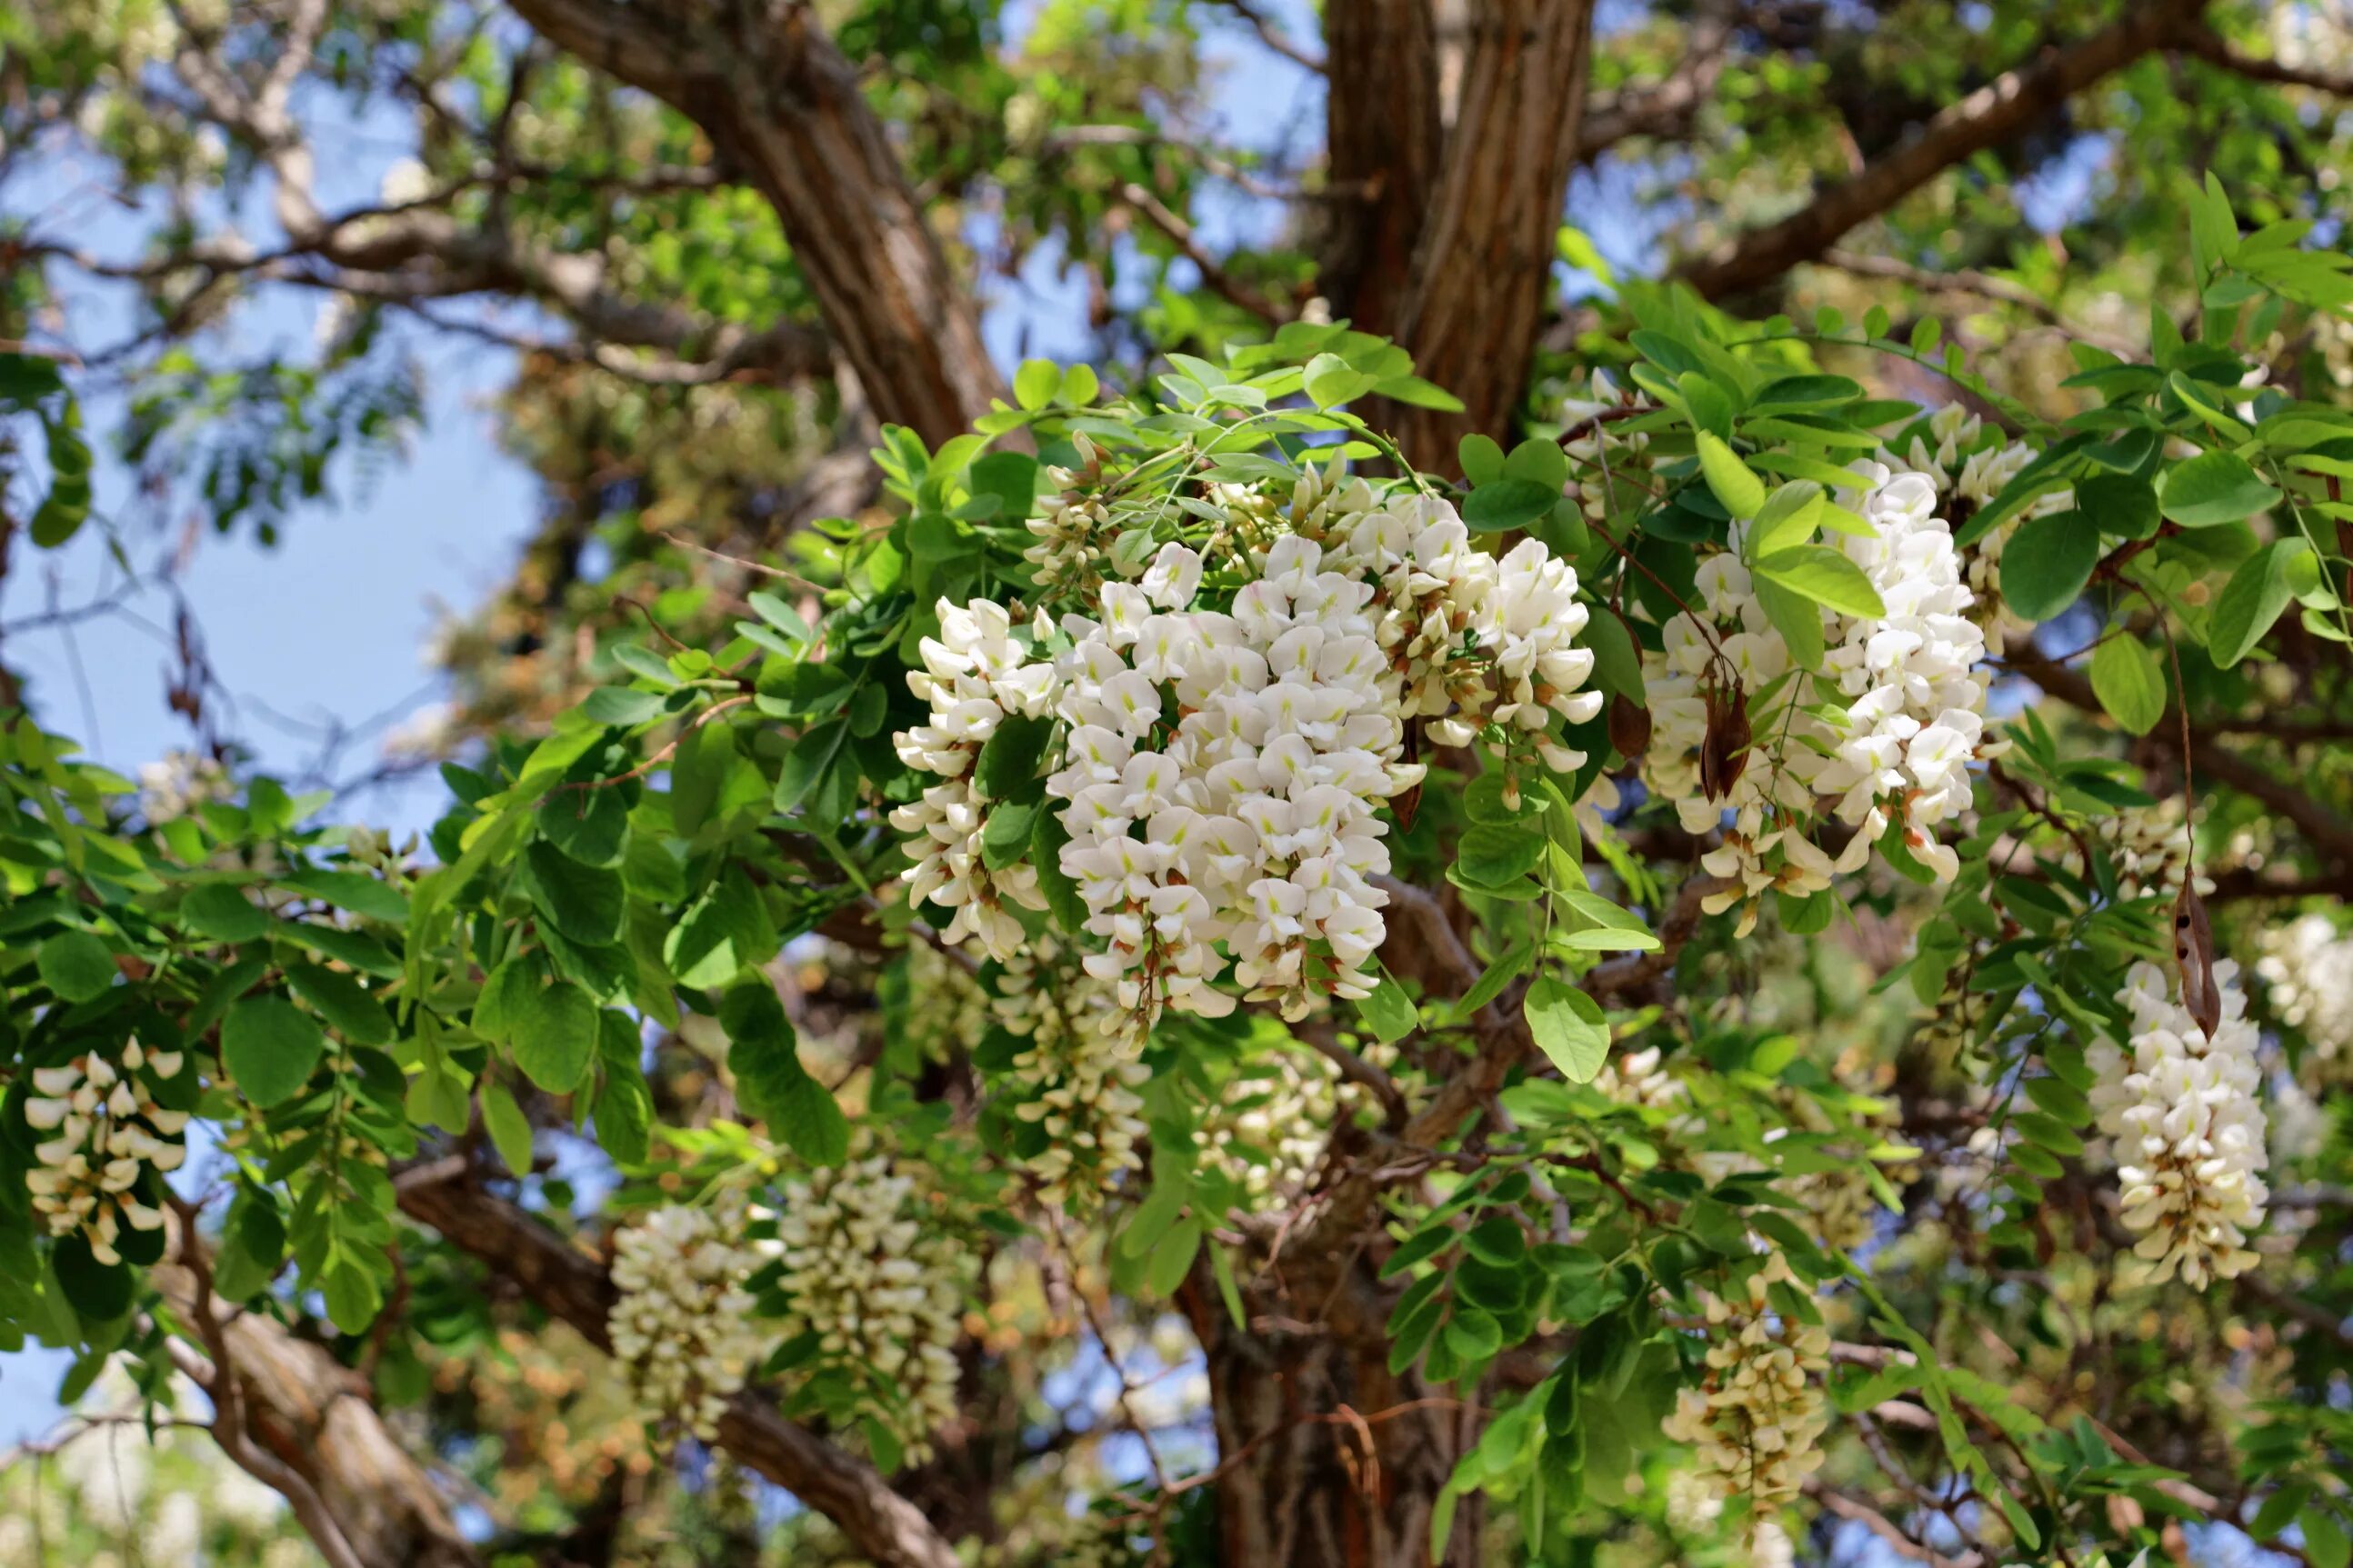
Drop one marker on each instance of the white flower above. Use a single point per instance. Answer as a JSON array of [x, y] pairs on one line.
[[2307, 971], [2186, 1128], [882, 1292], [682, 1324], [1755, 1420], [113, 1142]]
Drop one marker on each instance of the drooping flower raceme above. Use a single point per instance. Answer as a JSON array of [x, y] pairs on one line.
[[1228, 727], [1757, 1418], [1082, 1065], [1915, 692], [1881, 734], [682, 1326], [878, 1288], [2186, 1128], [2308, 969], [973, 675], [106, 1140]]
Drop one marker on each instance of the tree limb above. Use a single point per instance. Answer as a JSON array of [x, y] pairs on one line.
[[2215, 50], [1991, 115], [777, 98], [288, 1414], [1482, 272]]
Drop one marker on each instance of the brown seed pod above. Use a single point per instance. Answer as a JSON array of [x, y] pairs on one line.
[[1724, 752], [1630, 726], [2193, 950]]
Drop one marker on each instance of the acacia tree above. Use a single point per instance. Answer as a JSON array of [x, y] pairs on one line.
[[1398, 919]]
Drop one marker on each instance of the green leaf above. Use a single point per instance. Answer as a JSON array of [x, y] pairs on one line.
[[2325, 1543], [1008, 762], [1080, 385], [1741, 492], [555, 1036], [621, 705], [1332, 381], [1481, 459], [344, 1002], [1569, 1027], [1005, 836], [1616, 661], [509, 1129], [2129, 681], [2046, 563], [2123, 505], [589, 823], [270, 1049], [2255, 596], [1788, 519], [1825, 575], [1035, 383], [222, 911], [1388, 1012], [2210, 491], [1507, 504], [585, 902], [765, 1056], [1493, 856], [75, 965], [623, 1115], [100, 1292]]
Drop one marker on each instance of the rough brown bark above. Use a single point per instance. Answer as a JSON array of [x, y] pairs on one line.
[[566, 1284], [1484, 231], [1327, 1460], [776, 97], [311, 1413], [1384, 129], [1991, 115]]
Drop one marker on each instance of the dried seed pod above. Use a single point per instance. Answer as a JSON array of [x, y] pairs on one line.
[[1723, 752], [1630, 726], [2193, 950]]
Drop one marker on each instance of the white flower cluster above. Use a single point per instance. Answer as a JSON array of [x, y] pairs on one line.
[[2306, 968], [973, 675], [1916, 694], [1083, 1065], [1726, 660], [109, 1133], [682, 1326], [1257, 811], [1976, 469], [1269, 1130], [1909, 682], [2152, 850], [879, 1290], [2186, 1128], [178, 783], [1226, 752], [1757, 1419]]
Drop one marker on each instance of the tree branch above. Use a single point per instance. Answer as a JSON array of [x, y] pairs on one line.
[[568, 1285], [288, 1414], [1993, 113], [1483, 260], [2215, 50], [779, 100]]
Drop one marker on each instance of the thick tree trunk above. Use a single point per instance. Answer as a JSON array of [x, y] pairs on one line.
[[1326, 1460], [314, 1414], [1386, 131], [775, 95], [1482, 273], [1450, 247]]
